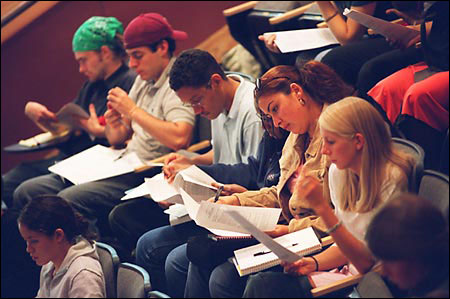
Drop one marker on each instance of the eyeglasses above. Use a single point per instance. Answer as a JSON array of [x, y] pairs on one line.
[[195, 104], [260, 85], [198, 103]]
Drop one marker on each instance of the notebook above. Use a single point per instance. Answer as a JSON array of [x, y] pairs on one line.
[[258, 257]]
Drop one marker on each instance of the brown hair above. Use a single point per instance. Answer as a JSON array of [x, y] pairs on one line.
[[318, 80]]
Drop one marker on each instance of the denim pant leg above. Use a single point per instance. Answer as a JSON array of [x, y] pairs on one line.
[[177, 266], [154, 246], [225, 282], [197, 282]]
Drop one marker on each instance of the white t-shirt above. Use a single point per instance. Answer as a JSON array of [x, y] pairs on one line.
[[236, 135]]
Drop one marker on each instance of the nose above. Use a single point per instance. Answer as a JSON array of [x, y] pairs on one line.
[[325, 150], [81, 69], [29, 248], [132, 63], [276, 121]]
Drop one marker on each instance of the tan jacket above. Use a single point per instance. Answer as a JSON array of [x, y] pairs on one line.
[[296, 211]]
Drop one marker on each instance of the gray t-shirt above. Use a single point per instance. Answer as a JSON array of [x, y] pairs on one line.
[[160, 101], [236, 135]]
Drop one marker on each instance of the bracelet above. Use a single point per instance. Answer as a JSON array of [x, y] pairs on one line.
[[132, 111], [334, 227], [329, 18], [315, 261]]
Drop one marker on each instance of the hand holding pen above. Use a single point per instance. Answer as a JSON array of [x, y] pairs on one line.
[[219, 190]]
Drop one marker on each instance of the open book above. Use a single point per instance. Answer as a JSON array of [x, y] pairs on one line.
[[60, 130], [258, 257], [271, 252]]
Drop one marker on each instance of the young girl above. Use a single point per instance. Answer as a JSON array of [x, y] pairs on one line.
[[365, 173], [57, 239]]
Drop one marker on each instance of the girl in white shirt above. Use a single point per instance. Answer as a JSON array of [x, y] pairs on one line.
[[365, 173]]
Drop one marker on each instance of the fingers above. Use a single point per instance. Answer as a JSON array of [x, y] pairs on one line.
[[92, 111]]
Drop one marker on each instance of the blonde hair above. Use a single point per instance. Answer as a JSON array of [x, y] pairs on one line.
[[353, 115]]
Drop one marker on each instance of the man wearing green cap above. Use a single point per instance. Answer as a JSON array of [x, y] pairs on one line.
[[99, 50], [151, 114]]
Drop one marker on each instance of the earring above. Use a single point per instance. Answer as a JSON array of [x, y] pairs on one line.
[[302, 101]]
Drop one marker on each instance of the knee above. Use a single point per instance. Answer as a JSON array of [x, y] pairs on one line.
[[115, 216], [22, 195]]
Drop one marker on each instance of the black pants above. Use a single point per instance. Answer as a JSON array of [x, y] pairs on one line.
[[131, 219], [364, 63]]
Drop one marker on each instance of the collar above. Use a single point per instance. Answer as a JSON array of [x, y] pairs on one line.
[[234, 109], [112, 80]]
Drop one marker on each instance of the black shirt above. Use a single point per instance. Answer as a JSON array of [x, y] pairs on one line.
[[96, 92]]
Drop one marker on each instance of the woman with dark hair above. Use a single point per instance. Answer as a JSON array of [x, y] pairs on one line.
[[58, 239], [415, 251]]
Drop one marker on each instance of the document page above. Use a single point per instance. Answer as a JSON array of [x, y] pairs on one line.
[[385, 28], [279, 250], [96, 163], [160, 190], [303, 39], [69, 112], [138, 191]]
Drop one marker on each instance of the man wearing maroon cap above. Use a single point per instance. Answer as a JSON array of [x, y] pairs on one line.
[[151, 114]]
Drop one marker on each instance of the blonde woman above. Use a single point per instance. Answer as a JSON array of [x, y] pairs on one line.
[[365, 172]]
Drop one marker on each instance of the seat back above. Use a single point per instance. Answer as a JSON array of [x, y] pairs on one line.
[[109, 261], [434, 187], [133, 281], [419, 156]]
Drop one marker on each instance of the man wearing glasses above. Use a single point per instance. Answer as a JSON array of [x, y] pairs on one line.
[[200, 83]]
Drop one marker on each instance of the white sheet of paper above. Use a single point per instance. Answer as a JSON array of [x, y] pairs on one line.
[[279, 250], [160, 190], [385, 28], [139, 191], [212, 217], [176, 210], [303, 39], [96, 163]]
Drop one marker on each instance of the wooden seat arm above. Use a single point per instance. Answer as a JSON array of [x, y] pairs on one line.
[[193, 148], [239, 8], [290, 14]]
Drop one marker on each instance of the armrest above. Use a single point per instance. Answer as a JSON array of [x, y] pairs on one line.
[[290, 14], [239, 8], [341, 284], [193, 148], [335, 286]]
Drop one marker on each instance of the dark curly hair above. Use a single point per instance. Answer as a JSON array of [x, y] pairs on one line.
[[194, 68]]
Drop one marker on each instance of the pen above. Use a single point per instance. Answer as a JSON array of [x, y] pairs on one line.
[[266, 252], [121, 155], [218, 193]]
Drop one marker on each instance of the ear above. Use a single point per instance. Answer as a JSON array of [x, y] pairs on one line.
[[297, 90], [59, 235], [105, 51], [359, 141], [215, 80], [163, 47]]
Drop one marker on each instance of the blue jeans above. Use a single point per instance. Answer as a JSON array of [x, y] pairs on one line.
[[221, 282], [154, 247]]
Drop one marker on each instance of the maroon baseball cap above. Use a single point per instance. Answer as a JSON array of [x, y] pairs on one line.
[[149, 28]]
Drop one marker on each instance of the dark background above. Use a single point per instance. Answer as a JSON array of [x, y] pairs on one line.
[[38, 64]]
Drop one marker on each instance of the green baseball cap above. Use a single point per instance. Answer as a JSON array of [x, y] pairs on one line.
[[96, 32]]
